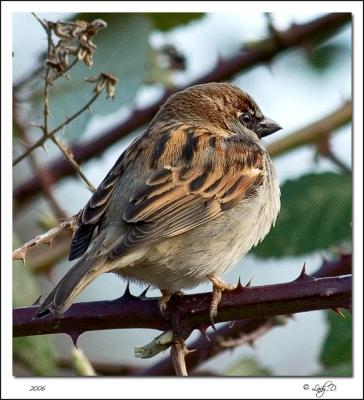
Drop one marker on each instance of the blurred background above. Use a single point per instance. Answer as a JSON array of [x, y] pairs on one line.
[[306, 88]]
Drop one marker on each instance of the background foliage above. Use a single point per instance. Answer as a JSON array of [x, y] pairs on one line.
[[316, 210]]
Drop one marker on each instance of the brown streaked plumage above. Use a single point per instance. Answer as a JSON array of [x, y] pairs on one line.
[[183, 203]]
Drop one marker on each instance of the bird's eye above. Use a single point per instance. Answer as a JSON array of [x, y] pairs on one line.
[[245, 118]]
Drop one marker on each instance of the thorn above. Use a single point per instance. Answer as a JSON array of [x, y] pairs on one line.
[[143, 294], [338, 311], [324, 259], [239, 287], [249, 283], [74, 335], [48, 242], [303, 276], [189, 351], [127, 294], [304, 268], [37, 302], [203, 329]]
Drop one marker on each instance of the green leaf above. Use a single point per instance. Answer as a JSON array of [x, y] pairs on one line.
[[324, 56], [316, 213], [248, 367], [122, 50], [37, 352], [336, 351], [166, 21], [340, 370]]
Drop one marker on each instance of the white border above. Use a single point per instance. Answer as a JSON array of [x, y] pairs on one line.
[[161, 387]]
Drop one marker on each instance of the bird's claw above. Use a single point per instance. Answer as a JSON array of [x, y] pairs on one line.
[[218, 287], [162, 302], [166, 296]]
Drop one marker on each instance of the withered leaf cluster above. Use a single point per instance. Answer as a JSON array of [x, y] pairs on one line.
[[75, 38]]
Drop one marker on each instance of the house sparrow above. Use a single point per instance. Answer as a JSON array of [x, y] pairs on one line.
[[183, 203]]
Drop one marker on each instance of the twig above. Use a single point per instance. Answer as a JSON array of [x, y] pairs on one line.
[[81, 364], [178, 354], [45, 238], [43, 175], [67, 69], [51, 134], [333, 157], [69, 156], [324, 148], [304, 294], [241, 333], [294, 36], [314, 132], [48, 81], [157, 345], [34, 75], [43, 24]]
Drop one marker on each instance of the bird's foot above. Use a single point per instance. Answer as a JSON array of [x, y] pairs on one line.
[[166, 296], [218, 286]]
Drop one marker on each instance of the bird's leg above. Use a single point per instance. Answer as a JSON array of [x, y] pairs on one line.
[[166, 295], [218, 286], [162, 302]]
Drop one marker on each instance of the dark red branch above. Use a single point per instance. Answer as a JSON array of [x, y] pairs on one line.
[[341, 266], [242, 332], [262, 52], [191, 311]]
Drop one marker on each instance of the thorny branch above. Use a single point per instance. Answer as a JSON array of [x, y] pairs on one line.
[[45, 238], [192, 311], [131, 311], [243, 332], [262, 52]]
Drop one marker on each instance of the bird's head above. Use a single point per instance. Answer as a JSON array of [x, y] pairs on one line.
[[219, 105]]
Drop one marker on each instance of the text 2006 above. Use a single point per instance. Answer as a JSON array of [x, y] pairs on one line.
[[37, 388]]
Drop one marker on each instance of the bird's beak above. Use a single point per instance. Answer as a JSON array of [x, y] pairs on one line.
[[266, 127]]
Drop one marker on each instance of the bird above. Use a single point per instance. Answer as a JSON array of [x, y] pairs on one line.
[[183, 203]]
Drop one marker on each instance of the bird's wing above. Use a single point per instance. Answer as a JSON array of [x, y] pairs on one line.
[[93, 212], [194, 177]]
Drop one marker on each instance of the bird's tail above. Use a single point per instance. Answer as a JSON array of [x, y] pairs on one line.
[[71, 285]]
